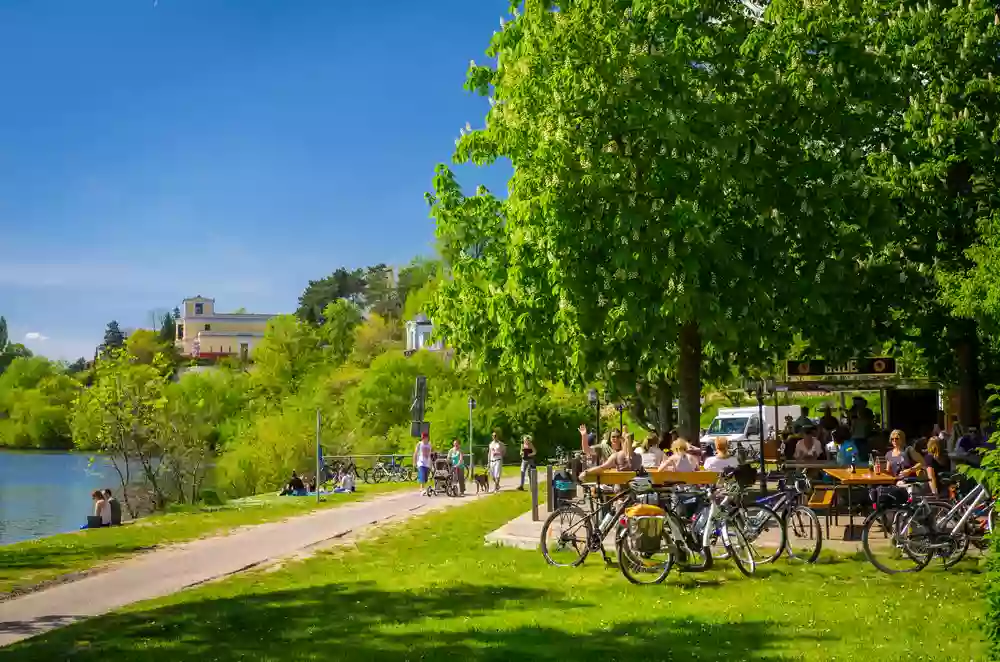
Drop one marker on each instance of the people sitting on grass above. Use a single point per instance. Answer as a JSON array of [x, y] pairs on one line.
[[809, 448], [294, 487], [115, 507], [901, 460], [722, 458], [681, 458], [102, 512], [345, 482]]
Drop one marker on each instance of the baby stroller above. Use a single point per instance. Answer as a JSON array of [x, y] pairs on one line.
[[442, 478]]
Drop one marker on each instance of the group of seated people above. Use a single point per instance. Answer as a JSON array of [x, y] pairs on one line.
[[107, 510], [670, 454], [343, 481]]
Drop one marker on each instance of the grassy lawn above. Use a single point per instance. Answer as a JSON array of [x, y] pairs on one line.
[[430, 590], [27, 564]]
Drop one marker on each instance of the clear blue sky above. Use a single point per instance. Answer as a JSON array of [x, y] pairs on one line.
[[229, 148]]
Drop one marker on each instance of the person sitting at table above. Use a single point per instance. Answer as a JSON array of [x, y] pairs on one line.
[[651, 454], [623, 459], [802, 421], [901, 459], [809, 448], [722, 459], [680, 459], [936, 462]]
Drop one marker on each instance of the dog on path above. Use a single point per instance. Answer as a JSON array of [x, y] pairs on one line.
[[482, 483]]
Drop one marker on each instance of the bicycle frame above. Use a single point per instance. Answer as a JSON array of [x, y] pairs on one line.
[[970, 502]]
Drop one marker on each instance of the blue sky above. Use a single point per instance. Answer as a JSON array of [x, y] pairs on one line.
[[229, 148]]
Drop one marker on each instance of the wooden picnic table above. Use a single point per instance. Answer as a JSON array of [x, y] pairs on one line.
[[614, 477], [861, 477]]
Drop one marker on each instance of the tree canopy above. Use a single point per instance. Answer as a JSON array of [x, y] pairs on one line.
[[658, 214]]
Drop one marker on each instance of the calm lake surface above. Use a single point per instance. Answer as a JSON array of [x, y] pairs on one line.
[[46, 493]]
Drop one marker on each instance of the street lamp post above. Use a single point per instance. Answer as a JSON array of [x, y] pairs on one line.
[[472, 456], [758, 388], [621, 407]]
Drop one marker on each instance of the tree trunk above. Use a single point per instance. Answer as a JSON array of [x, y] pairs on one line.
[[689, 382], [967, 357]]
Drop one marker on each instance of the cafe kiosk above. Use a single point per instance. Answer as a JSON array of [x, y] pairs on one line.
[[910, 405]]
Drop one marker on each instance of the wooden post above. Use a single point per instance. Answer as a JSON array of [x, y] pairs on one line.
[[550, 490], [533, 486]]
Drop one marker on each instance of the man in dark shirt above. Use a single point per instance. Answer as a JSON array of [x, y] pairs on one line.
[[116, 507]]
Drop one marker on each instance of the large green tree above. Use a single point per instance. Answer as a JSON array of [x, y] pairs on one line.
[[659, 213], [942, 161]]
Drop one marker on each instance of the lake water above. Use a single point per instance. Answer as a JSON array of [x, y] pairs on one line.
[[46, 493]]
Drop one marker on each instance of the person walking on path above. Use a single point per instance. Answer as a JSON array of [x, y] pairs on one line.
[[497, 452], [527, 458], [422, 460], [455, 457]]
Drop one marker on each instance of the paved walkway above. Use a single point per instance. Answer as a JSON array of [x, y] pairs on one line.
[[177, 567]]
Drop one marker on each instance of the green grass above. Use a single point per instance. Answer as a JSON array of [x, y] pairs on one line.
[[27, 564], [430, 590]]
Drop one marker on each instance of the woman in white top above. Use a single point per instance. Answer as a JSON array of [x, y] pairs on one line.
[[497, 451], [651, 454], [722, 459], [809, 448], [680, 459], [422, 460], [102, 508]]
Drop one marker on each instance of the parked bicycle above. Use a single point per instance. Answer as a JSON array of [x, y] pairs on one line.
[[391, 471], [803, 532], [906, 531]]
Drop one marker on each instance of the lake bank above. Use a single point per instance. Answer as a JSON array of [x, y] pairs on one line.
[[29, 564], [43, 493]]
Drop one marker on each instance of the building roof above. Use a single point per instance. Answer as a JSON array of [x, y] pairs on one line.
[[232, 316]]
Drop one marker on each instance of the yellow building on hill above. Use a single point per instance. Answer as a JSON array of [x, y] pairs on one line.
[[203, 333]]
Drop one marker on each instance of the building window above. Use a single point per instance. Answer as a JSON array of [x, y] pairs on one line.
[[180, 332], [208, 327], [199, 308]]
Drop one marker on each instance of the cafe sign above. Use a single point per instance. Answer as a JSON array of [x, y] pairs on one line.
[[823, 371]]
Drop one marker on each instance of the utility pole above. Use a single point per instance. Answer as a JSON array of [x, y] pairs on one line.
[[472, 456]]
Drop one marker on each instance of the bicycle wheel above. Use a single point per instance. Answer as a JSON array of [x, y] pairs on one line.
[[643, 567], [379, 474], [953, 547], [764, 532], [566, 535], [893, 543], [803, 534], [738, 547]]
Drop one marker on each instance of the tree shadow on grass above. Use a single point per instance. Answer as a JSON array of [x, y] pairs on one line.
[[366, 623]]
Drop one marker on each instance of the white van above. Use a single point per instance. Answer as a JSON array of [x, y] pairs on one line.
[[741, 425]]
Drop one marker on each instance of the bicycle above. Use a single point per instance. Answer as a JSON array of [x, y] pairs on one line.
[[570, 534], [799, 520], [916, 529], [759, 524]]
